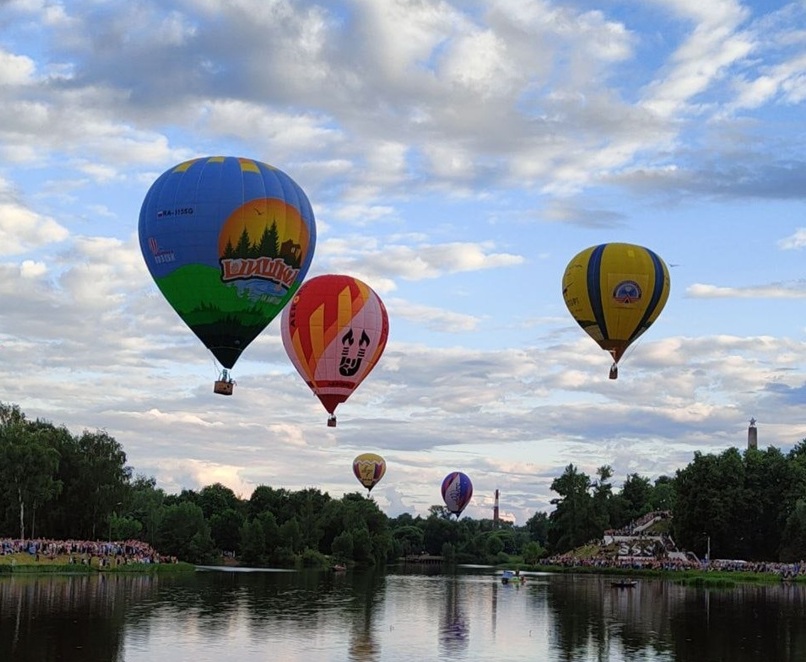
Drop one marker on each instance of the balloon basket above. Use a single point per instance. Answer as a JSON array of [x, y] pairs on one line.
[[331, 422], [223, 387], [614, 371]]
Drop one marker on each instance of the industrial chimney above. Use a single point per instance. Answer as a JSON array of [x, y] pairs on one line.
[[495, 511]]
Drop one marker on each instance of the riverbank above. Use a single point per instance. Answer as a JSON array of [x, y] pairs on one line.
[[23, 562], [689, 576]]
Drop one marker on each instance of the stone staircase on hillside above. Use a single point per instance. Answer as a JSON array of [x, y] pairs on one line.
[[631, 542]]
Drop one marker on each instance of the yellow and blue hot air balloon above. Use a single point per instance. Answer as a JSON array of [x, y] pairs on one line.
[[615, 292], [228, 241]]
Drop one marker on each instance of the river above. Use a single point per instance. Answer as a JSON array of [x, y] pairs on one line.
[[392, 615]]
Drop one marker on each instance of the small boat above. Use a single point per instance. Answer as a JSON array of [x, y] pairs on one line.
[[510, 577], [625, 583]]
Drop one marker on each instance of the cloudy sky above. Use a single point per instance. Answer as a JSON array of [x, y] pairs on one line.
[[457, 154]]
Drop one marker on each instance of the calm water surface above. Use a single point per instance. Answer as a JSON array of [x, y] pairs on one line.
[[392, 615]]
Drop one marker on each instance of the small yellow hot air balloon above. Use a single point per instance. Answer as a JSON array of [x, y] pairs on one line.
[[369, 468], [615, 292]]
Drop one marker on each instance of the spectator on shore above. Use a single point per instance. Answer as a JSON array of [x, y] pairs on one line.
[[127, 551]]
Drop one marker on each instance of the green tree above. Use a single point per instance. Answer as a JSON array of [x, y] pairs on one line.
[[95, 479], [437, 532], [573, 521], [793, 547], [331, 524], [271, 533], [253, 543], [184, 533], [494, 546], [144, 502], [663, 494], [276, 501], [537, 527], [533, 552], [308, 506], [636, 492], [410, 539], [602, 494], [709, 490], [343, 547], [217, 498], [225, 529], [122, 527], [363, 553], [769, 498], [28, 467], [291, 536]]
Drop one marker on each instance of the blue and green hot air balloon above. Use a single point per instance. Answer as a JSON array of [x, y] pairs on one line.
[[228, 241]]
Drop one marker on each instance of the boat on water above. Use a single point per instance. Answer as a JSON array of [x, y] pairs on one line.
[[510, 577], [625, 583]]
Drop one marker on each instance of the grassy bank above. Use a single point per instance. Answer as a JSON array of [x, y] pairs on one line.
[[22, 562], [705, 578]]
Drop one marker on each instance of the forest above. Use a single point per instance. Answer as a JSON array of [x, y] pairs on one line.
[[747, 505]]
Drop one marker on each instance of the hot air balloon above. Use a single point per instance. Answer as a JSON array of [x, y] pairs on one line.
[[615, 292], [228, 241], [369, 468], [334, 331], [457, 490]]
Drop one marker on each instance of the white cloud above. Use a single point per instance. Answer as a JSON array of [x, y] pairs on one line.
[[428, 317], [794, 241], [31, 269], [435, 140], [772, 291], [713, 45], [21, 228], [16, 69]]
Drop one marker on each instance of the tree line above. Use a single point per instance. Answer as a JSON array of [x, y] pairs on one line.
[[55, 484]]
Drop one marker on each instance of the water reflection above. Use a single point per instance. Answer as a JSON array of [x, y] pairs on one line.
[[378, 617], [65, 618], [453, 623], [368, 594], [661, 620]]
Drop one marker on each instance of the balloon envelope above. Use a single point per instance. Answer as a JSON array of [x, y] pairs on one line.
[[615, 292], [228, 241], [334, 331], [457, 490], [369, 468]]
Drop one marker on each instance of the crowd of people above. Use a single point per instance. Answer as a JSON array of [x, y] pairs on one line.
[[87, 552], [784, 570]]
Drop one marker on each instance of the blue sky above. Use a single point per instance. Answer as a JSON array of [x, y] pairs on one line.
[[457, 155]]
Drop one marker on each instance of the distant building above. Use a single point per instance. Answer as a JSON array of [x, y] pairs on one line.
[[752, 435]]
